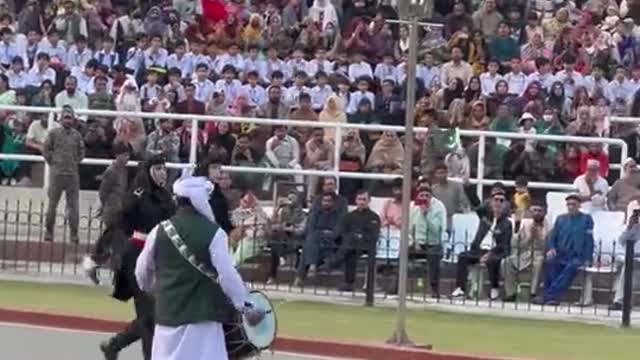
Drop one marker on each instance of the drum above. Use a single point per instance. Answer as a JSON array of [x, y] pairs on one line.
[[244, 341]]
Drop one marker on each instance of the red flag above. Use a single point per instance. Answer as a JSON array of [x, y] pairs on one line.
[[213, 10]]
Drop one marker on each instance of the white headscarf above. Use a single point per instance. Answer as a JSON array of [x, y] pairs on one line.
[[197, 190]]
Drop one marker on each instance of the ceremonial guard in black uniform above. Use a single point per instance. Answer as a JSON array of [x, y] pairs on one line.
[[146, 206]]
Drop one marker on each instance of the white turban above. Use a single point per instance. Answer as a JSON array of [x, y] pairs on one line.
[[197, 190]]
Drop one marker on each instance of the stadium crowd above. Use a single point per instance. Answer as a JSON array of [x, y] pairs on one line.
[[529, 66]]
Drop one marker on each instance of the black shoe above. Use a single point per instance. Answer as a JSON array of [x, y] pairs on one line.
[[509, 299], [346, 288], [615, 307], [107, 350]]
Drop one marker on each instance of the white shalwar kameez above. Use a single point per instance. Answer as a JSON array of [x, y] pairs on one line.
[[199, 341]]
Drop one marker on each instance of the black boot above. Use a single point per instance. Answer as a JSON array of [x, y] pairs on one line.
[[108, 350]]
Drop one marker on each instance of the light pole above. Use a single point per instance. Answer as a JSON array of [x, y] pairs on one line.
[[410, 12]]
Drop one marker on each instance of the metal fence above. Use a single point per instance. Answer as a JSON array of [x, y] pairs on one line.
[[22, 250]]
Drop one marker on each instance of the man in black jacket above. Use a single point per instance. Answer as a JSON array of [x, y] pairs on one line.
[[360, 232], [491, 244]]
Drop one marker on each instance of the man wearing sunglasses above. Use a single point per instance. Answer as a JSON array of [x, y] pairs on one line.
[[490, 246]]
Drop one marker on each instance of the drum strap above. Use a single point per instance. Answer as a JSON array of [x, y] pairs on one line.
[[184, 250]]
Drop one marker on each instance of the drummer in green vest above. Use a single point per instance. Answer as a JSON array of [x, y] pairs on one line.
[[186, 264]]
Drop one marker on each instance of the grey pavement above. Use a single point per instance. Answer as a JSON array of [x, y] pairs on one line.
[[21, 342]]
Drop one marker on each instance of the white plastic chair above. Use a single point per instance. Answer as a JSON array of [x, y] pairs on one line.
[[463, 230], [556, 205]]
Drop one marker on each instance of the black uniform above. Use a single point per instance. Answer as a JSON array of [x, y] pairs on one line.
[[143, 210]]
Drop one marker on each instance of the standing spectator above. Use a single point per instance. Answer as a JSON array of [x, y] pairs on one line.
[[570, 247], [428, 230], [487, 18], [64, 150], [491, 244], [71, 24], [450, 193], [392, 209], [527, 251], [592, 188], [360, 231]]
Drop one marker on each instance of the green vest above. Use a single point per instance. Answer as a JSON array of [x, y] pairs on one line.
[[183, 294]]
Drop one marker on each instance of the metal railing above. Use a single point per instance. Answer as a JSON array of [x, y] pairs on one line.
[[23, 250], [480, 181]]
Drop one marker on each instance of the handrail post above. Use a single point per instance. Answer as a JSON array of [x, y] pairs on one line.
[[45, 182], [193, 146], [337, 152], [480, 166], [624, 153]]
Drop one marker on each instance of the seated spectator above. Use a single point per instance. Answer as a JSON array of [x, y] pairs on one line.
[[360, 231], [629, 234], [570, 247], [387, 155], [527, 252], [391, 215], [332, 111], [491, 244], [493, 160], [323, 233], [37, 133], [592, 188], [253, 224], [184, 134], [287, 232], [352, 159], [595, 151], [428, 231], [44, 95], [72, 96], [304, 112], [101, 98], [626, 189], [283, 151]]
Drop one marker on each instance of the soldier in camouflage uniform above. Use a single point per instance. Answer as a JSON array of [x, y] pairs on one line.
[[63, 150]]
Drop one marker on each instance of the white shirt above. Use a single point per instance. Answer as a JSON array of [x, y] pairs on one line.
[[386, 72], [592, 84], [77, 101], [598, 201], [356, 70], [297, 65], [58, 51], [231, 90], [17, 80], [8, 51], [570, 81], [110, 59], [78, 59], [253, 65], [185, 64], [204, 90], [319, 96], [36, 77], [314, 66], [488, 83], [546, 80], [517, 83], [236, 61], [275, 65], [355, 98], [257, 95], [200, 59], [156, 58], [293, 95], [429, 75], [618, 90]]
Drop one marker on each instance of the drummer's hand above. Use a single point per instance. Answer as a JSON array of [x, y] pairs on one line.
[[254, 317]]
